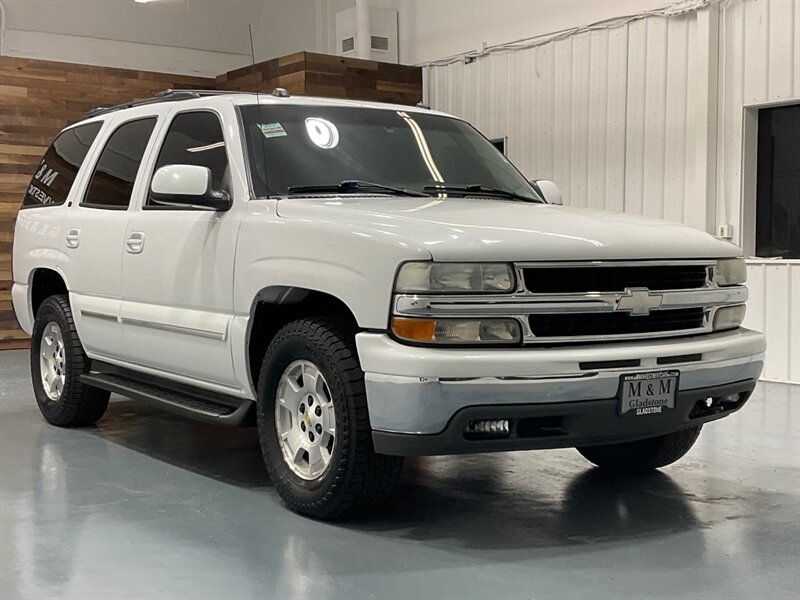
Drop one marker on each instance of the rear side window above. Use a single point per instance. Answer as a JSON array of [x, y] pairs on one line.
[[115, 173], [53, 178]]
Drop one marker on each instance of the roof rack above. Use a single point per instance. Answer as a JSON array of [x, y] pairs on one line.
[[169, 95]]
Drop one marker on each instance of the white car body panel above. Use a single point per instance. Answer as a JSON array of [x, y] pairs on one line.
[[478, 229]]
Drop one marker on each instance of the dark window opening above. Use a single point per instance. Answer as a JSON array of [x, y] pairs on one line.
[[53, 178], [778, 183], [500, 144], [115, 173]]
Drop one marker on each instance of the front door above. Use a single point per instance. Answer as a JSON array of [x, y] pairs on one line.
[[177, 267]]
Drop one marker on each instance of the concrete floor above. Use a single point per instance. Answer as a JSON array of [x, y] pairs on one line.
[[147, 505]]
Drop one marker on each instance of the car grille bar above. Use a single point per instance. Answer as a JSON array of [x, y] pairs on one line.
[[572, 280], [615, 323]]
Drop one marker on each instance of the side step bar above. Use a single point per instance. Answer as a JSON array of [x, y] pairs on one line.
[[201, 405]]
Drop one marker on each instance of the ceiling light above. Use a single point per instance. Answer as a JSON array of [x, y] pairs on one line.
[[322, 132]]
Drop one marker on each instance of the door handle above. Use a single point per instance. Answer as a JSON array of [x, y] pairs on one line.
[[73, 238], [135, 243]]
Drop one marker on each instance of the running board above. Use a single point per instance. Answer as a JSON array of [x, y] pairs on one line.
[[201, 405]]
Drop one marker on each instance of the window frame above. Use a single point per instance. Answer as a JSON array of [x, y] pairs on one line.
[[77, 182], [145, 206], [749, 179], [106, 140]]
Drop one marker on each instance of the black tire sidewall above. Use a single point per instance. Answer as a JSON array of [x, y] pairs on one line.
[[52, 311], [280, 354], [643, 455]]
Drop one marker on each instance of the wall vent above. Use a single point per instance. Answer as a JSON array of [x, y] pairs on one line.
[[379, 42], [382, 38]]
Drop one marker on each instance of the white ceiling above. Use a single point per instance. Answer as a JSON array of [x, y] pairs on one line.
[[217, 25]]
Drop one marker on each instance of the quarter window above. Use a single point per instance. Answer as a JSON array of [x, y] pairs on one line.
[[53, 178], [118, 165], [195, 138]]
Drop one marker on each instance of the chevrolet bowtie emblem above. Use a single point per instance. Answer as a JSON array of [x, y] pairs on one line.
[[638, 301]]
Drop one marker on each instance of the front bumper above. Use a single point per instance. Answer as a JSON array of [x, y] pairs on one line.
[[421, 393]]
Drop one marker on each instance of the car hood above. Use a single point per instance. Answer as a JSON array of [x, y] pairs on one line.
[[489, 229]]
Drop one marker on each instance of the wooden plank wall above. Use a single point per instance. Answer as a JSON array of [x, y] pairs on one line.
[[38, 98], [286, 72], [331, 76]]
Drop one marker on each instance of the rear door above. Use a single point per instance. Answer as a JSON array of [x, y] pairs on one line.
[[177, 265], [94, 235]]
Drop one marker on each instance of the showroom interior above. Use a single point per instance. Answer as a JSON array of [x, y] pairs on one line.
[[685, 111]]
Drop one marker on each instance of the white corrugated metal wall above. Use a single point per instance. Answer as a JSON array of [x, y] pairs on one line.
[[648, 118], [774, 308], [759, 64], [591, 112]]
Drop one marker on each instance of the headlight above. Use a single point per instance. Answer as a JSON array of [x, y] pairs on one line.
[[729, 317], [425, 277], [457, 331], [730, 271]]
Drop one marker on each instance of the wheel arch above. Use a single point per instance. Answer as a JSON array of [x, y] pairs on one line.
[[275, 306], [43, 283]]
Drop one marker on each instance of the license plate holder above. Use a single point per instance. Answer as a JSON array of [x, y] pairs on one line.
[[647, 394]]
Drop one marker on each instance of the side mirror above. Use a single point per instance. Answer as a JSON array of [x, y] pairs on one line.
[[548, 190], [187, 186]]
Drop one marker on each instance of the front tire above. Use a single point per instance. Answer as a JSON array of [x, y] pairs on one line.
[[642, 455], [57, 363], [313, 422]]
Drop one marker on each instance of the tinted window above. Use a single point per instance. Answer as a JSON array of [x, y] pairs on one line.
[[115, 173], [292, 146], [195, 138], [53, 178], [778, 186]]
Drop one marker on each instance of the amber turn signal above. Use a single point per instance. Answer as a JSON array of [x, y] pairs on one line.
[[418, 330]]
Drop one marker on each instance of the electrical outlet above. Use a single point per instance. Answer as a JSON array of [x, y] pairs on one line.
[[725, 231]]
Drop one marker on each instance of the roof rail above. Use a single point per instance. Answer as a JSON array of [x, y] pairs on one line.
[[169, 95]]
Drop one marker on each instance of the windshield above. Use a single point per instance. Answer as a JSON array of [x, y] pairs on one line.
[[295, 147]]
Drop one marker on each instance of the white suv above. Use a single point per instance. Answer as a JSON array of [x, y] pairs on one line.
[[364, 281]]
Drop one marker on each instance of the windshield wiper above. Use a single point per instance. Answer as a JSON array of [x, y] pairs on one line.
[[351, 186], [477, 189]]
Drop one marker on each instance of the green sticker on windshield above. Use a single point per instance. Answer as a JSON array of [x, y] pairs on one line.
[[271, 130]]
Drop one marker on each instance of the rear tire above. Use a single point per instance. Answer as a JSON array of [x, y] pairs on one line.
[[57, 363], [312, 364], [642, 455]]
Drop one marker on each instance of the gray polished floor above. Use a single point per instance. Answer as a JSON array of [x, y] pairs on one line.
[[147, 505]]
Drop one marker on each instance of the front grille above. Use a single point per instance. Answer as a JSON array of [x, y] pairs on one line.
[[571, 280], [615, 323]]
